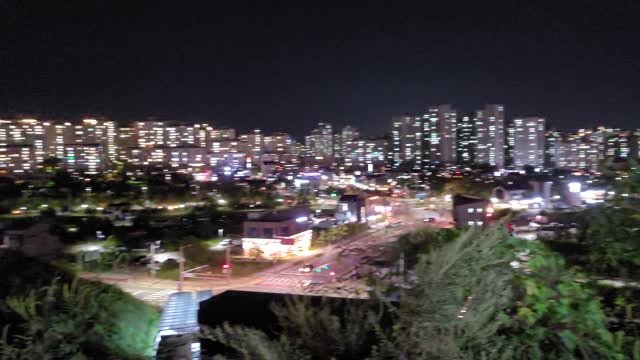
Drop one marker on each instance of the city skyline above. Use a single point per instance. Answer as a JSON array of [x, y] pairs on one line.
[[299, 133], [232, 65], [437, 140], [318, 180]]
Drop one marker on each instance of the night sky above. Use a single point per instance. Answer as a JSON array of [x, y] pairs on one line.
[[286, 66]]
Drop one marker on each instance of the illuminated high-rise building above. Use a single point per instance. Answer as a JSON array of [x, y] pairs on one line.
[[150, 133], [202, 135], [343, 142], [24, 144], [366, 153], [406, 141], [252, 143], [84, 158], [618, 144], [442, 134], [320, 141], [552, 138], [223, 134], [599, 138], [126, 141], [528, 141], [16, 159], [92, 131], [179, 135], [466, 144], [186, 157], [574, 151], [56, 135], [490, 133], [278, 143]]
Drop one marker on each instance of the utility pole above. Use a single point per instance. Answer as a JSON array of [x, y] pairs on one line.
[[79, 258], [152, 254], [181, 266], [228, 262]]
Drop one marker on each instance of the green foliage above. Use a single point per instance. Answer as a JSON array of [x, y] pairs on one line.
[[614, 240], [249, 343], [471, 273], [463, 186], [169, 270], [324, 237], [480, 295], [332, 332], [255, 252], [46, 312], [555, 316], [78, 320], [608, 235], [305, 331], [485, 295], [422, 242], [196, 252]]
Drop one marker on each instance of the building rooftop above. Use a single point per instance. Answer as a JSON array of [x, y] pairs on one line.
[[464, 200], [278, 215], [350, 197]]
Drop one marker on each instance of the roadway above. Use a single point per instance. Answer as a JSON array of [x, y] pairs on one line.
[[333, 266]]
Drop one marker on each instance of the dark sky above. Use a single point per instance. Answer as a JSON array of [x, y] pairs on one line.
[[286, 66]]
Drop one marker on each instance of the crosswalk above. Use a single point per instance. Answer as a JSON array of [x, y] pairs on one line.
[[156, 297], [285, 281]]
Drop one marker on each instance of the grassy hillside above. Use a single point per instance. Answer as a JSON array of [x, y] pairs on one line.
[[45, 312]]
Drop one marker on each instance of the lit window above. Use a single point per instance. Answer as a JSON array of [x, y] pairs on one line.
[[469, 210]]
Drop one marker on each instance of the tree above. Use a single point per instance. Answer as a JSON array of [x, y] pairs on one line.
[[611, 234], [77, 320], [340, 231], [306, 331], [51, 163], [482, 295], [488, 296], [256, 252], [303, 196]]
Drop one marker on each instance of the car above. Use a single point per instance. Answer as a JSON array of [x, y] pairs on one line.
[[306, 268], [222, 245], [430, 220], [141, 260], [395, 224]]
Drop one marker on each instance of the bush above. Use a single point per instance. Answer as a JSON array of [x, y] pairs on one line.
[[423, 242], [168, 270], [73, 318]]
